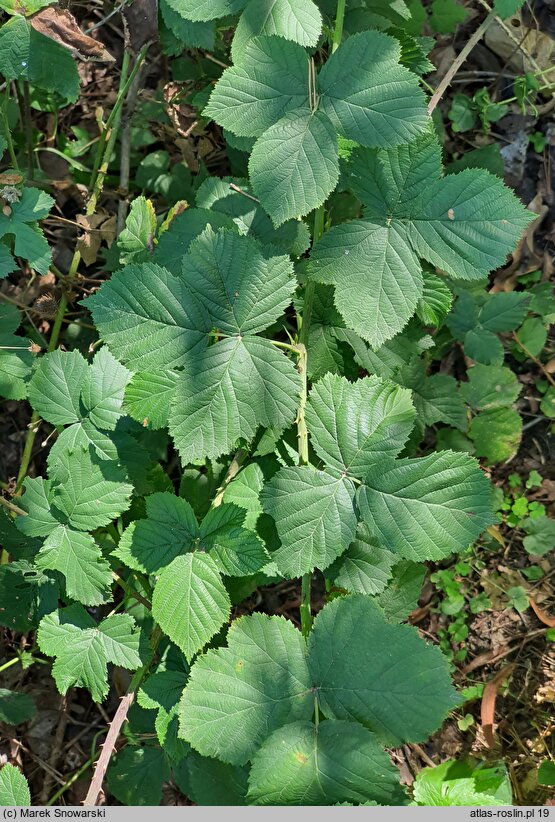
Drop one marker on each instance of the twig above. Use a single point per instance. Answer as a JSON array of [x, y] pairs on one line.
[[108, 748], [459, 60], [125, 149], [244, 193], [534, 359], [56, 749], [512, 36], [11, 507]]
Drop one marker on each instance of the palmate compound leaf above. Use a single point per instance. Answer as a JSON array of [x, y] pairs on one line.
[[465, 224], [14, 790], [169, 530], [364, 94], [190, 602], [156, 321], [294, 165], [84, 648], [426, 508], [354, 425], [236, 696], [334, 761], [314, 515], [381, 675], [359, 667], [230, 390]]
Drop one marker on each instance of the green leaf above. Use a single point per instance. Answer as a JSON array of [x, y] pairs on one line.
[[216, 194], [148, 318], [540, 535], [546, 773], [269, 80], [193, 34], [136, 775], [377, 276], [147, 545], [137, 236], [236, 696], [446, 15], [294, 165], [435, 302], [173, 245], [400, 597], [354, 425], [506, 8], [91, 493], [26, 54], [77, 556], [368, 95], [14, 790], [41, 520], [216, 783], [83, 649], [103, 390], [335, 761], [55, 388], [209, 9], [190, 602], [426, 508], [297, 20], [20, 221], [314, 517], [26, 595], [16, 708], [437, 399], [496, 434], [162, 692], [15, 357], [236, 550], [381, 675], [504, 311], [483, 347], [490, 387], [148, 396], [230, 390], [364, 568], [242, 289], [245, 490], [463, 783]]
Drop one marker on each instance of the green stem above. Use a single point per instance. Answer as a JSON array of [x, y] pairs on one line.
[[104, 151], [302, 440], [338, 28], [7, 132], [9, 664]]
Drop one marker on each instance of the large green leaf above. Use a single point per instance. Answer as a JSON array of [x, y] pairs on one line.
[[242, 289], [314, 516], [368, 95], [379, 674], [297, 20], [354, 425], [190, 602], [230, 390], [216, 783], [325, 764], [294, 165], [148, 318], [490, 387], [83, 649], [269, 80], [77, 556], [55, 388], [14, 790], [169, 530], [136, 775], [377, 276], [496, 433], [236, 696], [91, 492], [426, 508]]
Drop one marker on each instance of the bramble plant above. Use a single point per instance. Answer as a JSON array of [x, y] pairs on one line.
[[236, 333]]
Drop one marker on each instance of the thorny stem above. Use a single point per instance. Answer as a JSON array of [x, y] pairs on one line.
[[234, 468], [104, 151]]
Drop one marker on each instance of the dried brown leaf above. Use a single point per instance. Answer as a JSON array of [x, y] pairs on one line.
[[60, 25], [489, 697], [98, 228]]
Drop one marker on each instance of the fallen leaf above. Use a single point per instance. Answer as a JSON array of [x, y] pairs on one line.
[[489, 697], [182, 115], [60, 25], [543, 616], [98, 228]]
